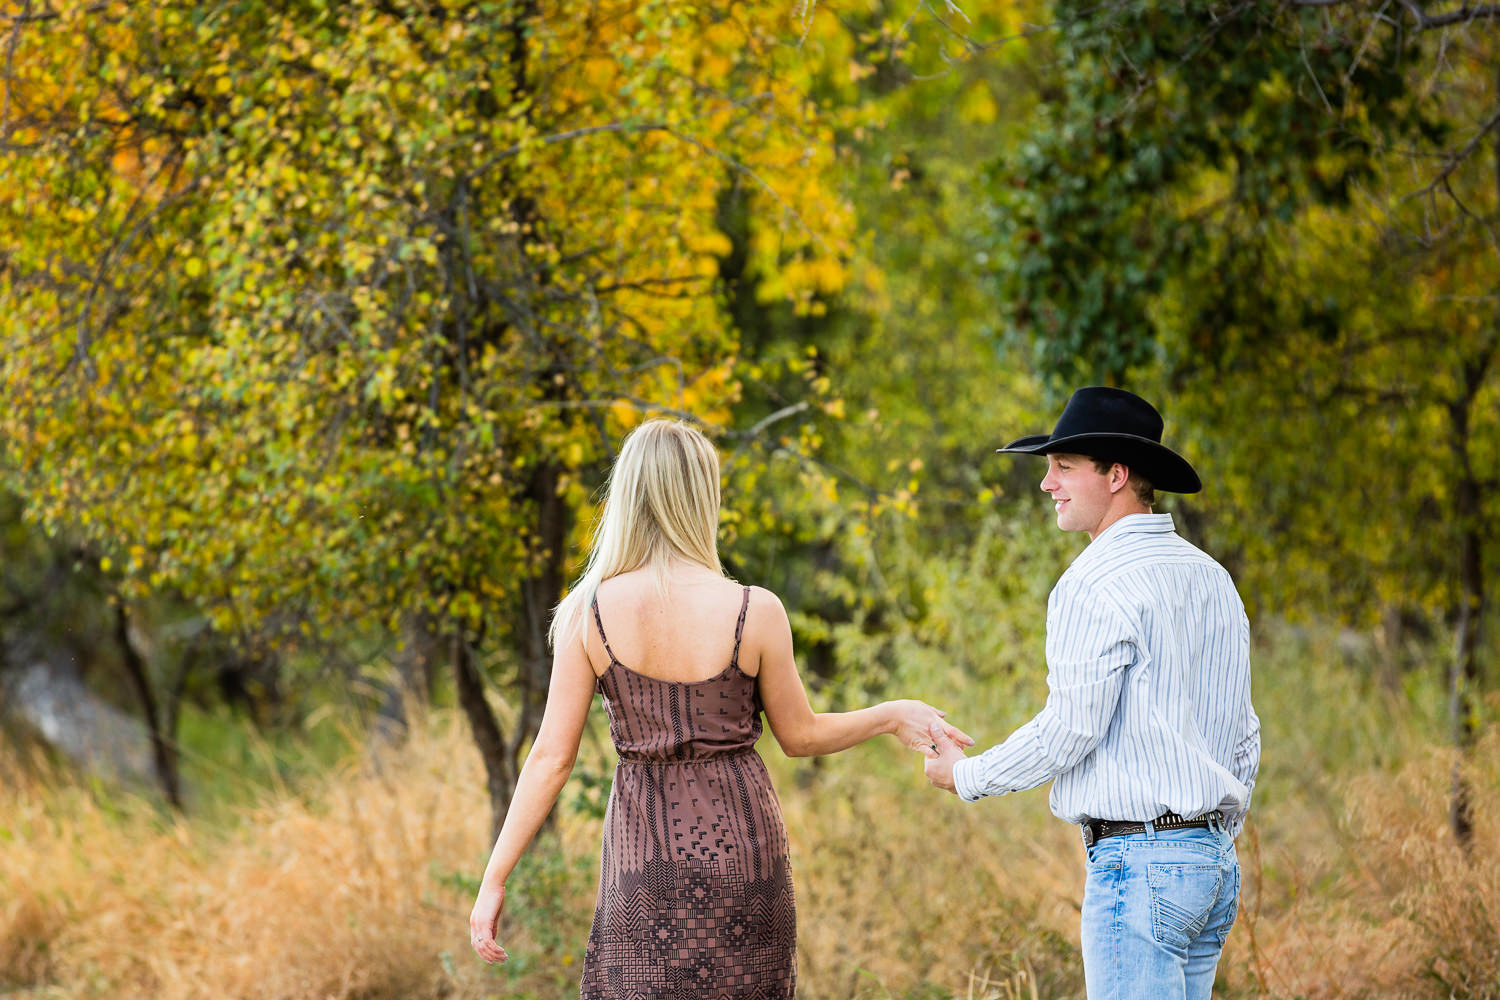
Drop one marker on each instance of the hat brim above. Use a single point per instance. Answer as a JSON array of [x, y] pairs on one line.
[[1166, 470]]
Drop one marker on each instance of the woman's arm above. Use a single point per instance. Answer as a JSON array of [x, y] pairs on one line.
[[542, 776], [799, 730]]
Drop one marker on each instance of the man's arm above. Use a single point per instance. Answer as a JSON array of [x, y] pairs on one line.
[[1245, 765], [1089, 647]]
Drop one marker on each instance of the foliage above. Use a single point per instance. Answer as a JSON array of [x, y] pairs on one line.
[[919, 393], [327, 316], [51, 602], [1171, 138], [1275, 219], [310, 311]]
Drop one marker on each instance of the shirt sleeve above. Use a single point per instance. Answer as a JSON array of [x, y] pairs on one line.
[[1245, 765], [1244, 762], [1089, 646]]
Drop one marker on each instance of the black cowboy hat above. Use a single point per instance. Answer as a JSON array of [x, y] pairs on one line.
[[1112, 424]]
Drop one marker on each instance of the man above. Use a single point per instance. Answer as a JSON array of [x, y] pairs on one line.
[[1148, 735]]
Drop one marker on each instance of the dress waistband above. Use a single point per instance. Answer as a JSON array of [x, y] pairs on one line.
[[637, 758]]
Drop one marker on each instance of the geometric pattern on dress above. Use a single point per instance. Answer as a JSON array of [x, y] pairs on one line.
[[695, 889]]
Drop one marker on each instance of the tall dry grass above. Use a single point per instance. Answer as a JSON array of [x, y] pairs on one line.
[[357, 885], [344, 890], [902, 891], [1388, 904]]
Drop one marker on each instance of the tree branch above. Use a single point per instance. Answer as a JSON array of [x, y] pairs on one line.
[[781, 414], [10, 60], [1456, 160], [1465, 14], [1424, 21], [26, 17]]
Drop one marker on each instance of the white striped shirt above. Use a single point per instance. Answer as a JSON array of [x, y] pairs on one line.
[[1148, 677]]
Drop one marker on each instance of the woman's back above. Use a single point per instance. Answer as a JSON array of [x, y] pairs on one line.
[[678, 692], [689, 634]]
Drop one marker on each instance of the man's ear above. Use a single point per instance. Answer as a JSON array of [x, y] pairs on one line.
[[1119, 475]]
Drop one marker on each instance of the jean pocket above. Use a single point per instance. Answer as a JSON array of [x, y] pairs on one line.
[[1234, 905], [1182, 899], [1105, 854]]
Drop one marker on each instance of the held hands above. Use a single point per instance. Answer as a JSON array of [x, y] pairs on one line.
[[939, 764], [484, 924], [915, 721]]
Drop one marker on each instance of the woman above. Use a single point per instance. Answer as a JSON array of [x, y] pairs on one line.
[[695, 893]]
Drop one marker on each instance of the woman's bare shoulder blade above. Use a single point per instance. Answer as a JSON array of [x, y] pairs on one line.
[[767, 629]]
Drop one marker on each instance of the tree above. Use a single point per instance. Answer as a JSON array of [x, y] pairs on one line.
[[325, 314]]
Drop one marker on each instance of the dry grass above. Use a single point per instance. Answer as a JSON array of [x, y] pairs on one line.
[[354, 889], [338, 894], [902, 891], [1409, 914]]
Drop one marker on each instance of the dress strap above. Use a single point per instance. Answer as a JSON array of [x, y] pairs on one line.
[[599, 623], [739, 628]]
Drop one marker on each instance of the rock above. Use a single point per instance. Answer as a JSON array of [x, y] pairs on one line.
[[89, 731]]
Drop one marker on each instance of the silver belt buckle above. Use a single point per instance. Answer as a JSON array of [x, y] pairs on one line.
[[1088, 835]]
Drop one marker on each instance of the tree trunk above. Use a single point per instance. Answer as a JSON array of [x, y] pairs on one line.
[[499, 768], [540, 592], [411, 688], [501, 755], [542, 577], [542, 585], [1463, 679], [164, 754]]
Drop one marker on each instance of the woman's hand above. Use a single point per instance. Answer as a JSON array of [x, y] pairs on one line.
[[939, 765], [484, 924], [913, 722]]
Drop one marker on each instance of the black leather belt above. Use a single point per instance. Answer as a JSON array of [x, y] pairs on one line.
[[1095, 830]]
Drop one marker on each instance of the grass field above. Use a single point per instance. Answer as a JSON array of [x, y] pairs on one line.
[[355, 881]]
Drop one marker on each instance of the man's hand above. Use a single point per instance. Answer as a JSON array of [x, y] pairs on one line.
[[939, 766]]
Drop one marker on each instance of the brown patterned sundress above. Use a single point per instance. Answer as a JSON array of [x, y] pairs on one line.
[[695, 890]]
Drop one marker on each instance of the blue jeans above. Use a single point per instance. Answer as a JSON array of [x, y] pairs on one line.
[[1156, 910]]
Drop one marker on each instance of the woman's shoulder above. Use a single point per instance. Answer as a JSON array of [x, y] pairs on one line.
[[761, 596], [764, 609]]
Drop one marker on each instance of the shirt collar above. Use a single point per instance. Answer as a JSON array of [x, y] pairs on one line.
[[1132, 524]]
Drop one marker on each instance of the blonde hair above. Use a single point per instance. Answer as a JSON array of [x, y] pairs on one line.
[[662, 505]]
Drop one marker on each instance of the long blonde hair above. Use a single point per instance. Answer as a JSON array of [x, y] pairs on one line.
[[662, 506]]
